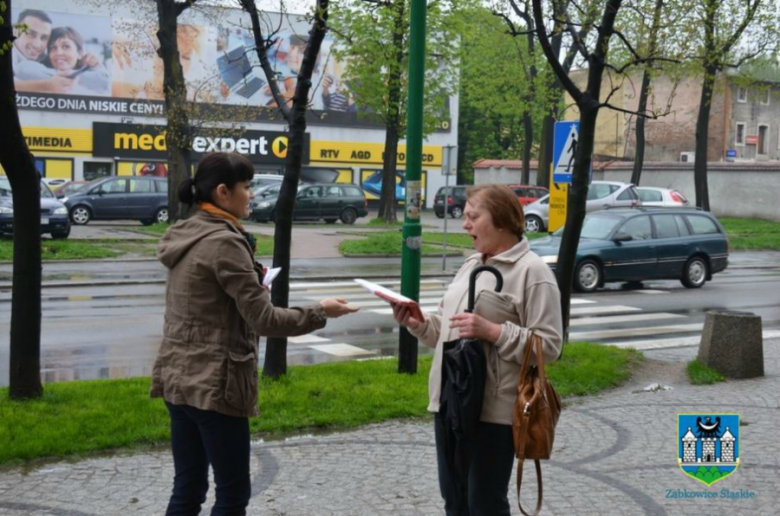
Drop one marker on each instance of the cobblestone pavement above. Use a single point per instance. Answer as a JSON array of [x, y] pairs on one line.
[[614, 454]]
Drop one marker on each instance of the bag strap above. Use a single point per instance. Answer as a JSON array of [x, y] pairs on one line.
[[538, 489], [532, 339]]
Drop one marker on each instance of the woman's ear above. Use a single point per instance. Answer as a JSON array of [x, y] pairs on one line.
[[221, 191]]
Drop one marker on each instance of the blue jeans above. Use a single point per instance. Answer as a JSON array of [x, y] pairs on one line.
[[200, 438], [491, 456]]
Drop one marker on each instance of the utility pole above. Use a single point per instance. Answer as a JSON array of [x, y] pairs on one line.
[[412, 232]]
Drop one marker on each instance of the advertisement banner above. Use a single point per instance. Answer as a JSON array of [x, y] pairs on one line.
[[147, 142], [110, 64]]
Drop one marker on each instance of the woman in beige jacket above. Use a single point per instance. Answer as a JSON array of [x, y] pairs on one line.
[[215, 308], [529, 302]]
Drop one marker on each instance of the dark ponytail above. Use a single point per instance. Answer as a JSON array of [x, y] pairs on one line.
[[213, 170]]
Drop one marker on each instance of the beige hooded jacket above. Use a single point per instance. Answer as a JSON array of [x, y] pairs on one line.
[[528, 302]]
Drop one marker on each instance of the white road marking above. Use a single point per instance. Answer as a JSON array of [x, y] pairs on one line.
[[334, 284], [675, 343], [380, 302], [651, 291], [632, 332], [306, 339], [341, 349], [583, 321], [593, 310]]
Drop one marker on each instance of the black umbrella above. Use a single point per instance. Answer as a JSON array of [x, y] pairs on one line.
[[462, 387]]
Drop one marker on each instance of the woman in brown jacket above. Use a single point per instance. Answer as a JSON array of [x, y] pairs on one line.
[[216, 307], [528, 303]]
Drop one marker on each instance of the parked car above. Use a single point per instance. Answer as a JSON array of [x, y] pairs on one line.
[[121, 198], [69, 188], [329, 201], [373, 184], [527, 194], [54, 214], [54, 182], [652, 196], [453, 197], [644, 243], [601, 194], [259, 180], [271, 190]]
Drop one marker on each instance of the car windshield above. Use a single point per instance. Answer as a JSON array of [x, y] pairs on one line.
[[5, 188], [597, 227]]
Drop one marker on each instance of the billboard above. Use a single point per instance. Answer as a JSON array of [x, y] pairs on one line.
[[109, 64]]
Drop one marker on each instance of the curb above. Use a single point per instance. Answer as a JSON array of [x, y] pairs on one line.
[[6, 286]]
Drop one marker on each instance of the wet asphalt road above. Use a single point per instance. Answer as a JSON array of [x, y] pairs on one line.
[[114, 330]]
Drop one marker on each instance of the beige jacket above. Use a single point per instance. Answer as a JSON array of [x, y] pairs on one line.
[[529, 301], [215, 307]]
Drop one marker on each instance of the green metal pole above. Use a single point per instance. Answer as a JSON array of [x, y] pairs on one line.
[[410, 257]]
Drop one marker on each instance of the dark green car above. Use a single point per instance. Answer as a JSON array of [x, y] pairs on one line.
[[641, 244], [315, 201]]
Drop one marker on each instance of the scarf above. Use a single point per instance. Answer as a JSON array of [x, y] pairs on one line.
[[211, 209]]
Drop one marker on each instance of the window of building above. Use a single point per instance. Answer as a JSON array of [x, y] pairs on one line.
[[741, 94], [96, 170], [763, 139], [740, 135], [765, 97]]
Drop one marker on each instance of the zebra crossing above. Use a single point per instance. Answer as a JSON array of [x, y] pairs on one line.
[[621, 325]]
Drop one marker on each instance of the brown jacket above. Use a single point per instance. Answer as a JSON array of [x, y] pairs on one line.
[[529, 302], [215, 309]]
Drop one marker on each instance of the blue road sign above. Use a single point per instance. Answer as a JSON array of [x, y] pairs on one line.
[[565, 141]]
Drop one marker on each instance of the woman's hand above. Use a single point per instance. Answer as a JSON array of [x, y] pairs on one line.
[[336, 307], [403, 316], [473, 326]]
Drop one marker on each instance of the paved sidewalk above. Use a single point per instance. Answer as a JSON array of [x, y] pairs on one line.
[[614, 454]]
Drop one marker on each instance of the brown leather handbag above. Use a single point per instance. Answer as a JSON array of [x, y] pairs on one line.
[[536, 413]]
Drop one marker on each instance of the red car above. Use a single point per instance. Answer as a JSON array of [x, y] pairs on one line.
[[527, 194]]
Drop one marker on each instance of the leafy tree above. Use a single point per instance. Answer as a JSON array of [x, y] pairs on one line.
[[295, 114], [724, 34], [19, 165], [371, 37], [500, 90]]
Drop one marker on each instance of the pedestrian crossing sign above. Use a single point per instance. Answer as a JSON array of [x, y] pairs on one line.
[[565, 141]]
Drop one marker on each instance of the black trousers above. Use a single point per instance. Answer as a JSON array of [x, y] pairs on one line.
[[200, 438], [491, 455]]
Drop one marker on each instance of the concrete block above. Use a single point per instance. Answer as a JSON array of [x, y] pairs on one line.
[[732, 344]]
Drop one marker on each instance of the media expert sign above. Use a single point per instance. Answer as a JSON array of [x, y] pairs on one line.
[[148, 142]]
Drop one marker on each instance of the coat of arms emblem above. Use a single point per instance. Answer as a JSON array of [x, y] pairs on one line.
[[708, 445]]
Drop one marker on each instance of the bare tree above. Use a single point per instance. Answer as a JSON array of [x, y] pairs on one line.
[[19, 165], [295, 115]]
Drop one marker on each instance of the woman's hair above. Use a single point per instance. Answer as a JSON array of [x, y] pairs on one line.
[[502, 204], [213, 170], [64, 32]]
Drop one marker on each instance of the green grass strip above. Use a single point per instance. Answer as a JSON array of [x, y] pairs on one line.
[[63, 250], [81, 417], [380, 244], [700, 374], [752, 234]]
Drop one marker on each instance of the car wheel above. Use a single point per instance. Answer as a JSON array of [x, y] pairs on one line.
[[439, 215], [61, 235], [80, 215], [161, 216], [533, 224], [695, 272], [587, 276], [456, 212], [331, 221], [348, 216]]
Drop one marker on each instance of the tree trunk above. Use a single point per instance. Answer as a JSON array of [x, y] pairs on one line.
[[19, 165], [387, 200], [639, 158], [702, 133], [275, 364], [578, 194], [178, 135], [546, 150]]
